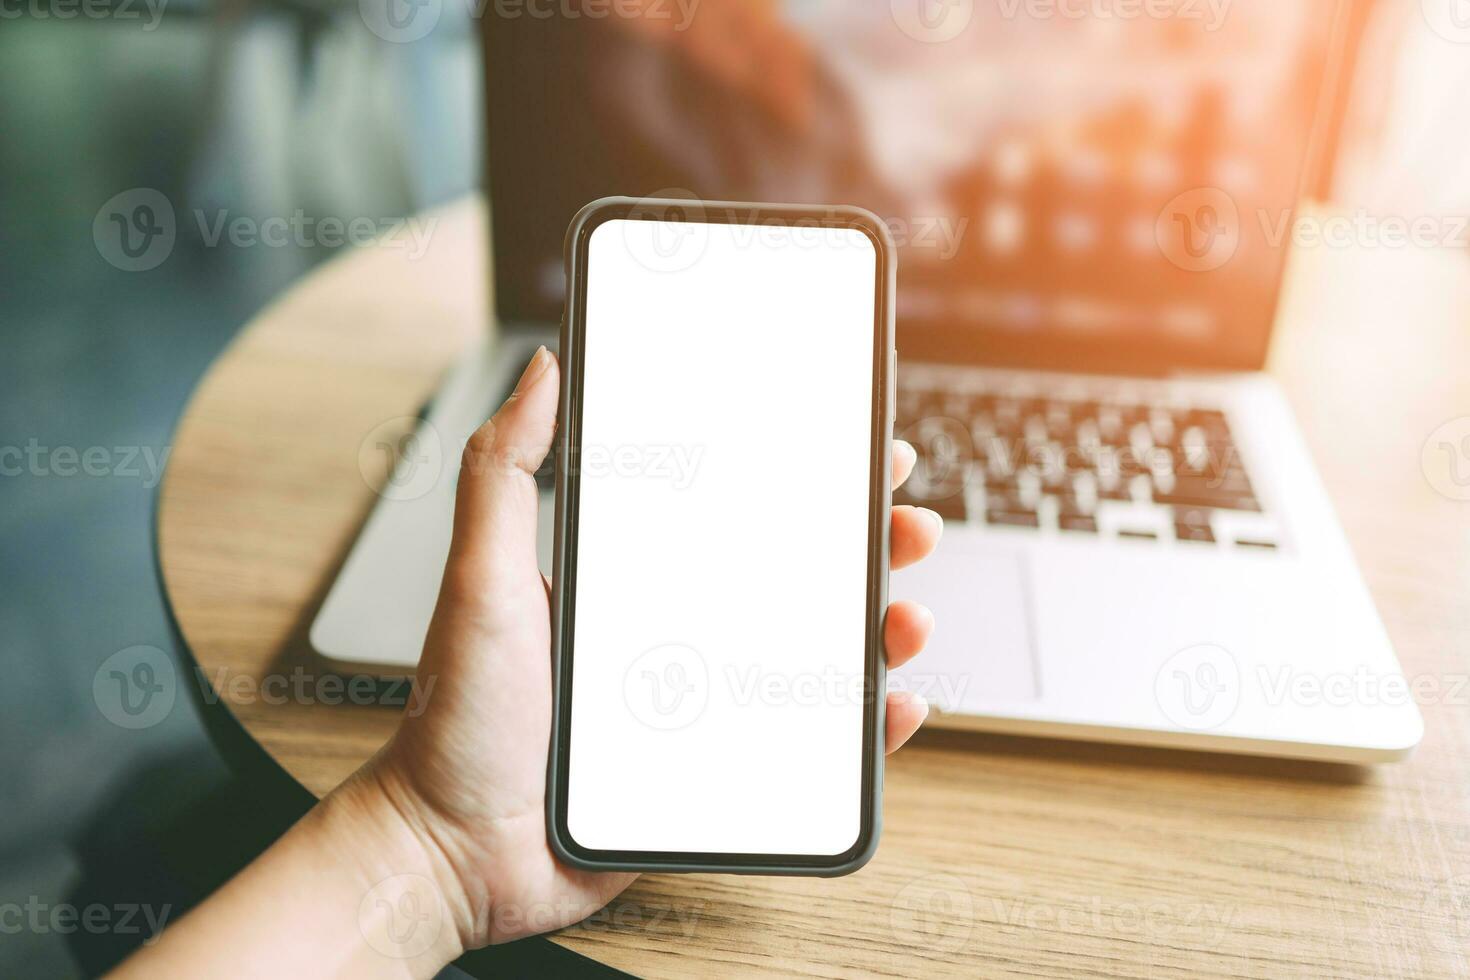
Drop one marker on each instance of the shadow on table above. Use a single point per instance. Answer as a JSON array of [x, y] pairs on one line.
[[1145, 757]]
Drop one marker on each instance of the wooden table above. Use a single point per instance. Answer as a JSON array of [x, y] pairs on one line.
[[1001, 856]]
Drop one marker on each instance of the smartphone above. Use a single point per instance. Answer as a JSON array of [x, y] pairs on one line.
[[722, 523]]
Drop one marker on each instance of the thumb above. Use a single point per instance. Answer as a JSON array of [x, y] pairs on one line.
[[493, 552]]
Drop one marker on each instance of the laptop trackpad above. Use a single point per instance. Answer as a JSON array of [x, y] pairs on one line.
[[982, 651]]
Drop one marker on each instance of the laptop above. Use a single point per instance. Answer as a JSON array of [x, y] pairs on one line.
[[1087, 210]]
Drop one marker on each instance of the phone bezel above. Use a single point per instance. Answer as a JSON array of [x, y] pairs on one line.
[[563, 592]]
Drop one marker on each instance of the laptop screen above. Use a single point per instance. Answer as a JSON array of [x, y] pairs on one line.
[[1084, 184]]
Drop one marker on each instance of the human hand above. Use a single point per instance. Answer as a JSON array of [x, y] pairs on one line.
[[468, 774]]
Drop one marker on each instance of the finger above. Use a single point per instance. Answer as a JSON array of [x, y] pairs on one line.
[[916, 532], [904, 459], [906, 629], [906, 712], [493, 550]]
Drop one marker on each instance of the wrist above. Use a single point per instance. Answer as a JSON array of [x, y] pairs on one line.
[[412, 908]]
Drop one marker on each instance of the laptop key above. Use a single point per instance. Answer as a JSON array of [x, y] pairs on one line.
[[1077, 522], [1194, 532], [1194, 491], [1220, 501], [1193, 524], [950, 506], [1009, 509], [1013, 518]]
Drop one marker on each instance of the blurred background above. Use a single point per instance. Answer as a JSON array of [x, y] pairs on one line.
[[302, 112], [240, 109]]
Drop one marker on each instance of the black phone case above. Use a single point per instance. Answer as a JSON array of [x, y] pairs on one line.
[[563, 576]]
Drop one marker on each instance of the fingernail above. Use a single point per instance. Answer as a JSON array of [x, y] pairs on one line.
[[934, 516], [917, 700], [537, 367]]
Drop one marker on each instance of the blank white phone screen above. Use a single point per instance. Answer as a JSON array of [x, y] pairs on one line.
[[722, 542]]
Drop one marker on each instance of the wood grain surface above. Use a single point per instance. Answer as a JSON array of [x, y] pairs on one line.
[[1000, 856]]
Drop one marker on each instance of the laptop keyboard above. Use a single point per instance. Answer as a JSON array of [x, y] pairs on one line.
[[1084, 466], [1089, 467]]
